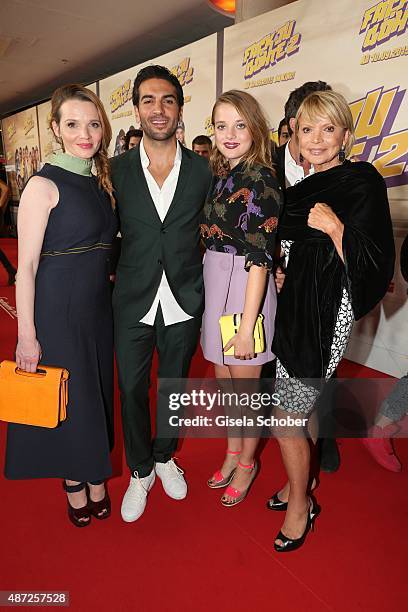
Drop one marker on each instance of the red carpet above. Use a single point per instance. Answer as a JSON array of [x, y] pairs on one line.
[[195, 555]]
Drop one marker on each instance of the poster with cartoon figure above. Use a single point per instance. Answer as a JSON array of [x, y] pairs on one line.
[[21, 148]]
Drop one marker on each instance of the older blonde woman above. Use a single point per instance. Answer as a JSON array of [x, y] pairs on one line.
[[337, 235]]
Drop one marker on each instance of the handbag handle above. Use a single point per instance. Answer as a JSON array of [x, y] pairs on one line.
[[36, 374]]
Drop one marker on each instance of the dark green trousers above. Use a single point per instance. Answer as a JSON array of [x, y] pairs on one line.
[[134, 345]]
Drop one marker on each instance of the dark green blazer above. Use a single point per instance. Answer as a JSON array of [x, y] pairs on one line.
[[150, 246]]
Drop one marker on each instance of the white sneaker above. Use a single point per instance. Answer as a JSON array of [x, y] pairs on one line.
[[134, 500], [172, 479]]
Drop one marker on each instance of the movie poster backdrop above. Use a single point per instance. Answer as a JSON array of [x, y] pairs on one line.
[[21, 149], [360, 48], [195, 67]]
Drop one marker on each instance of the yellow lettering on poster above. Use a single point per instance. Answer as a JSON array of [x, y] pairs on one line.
[[278, 78], [120, 95], [394, 147], [270, 49], [11, 130], [379, 56], [374, 113], [383, 21], [374, 116], [358, 149], [28, 124], [128, 113], [208, 127], [183, 71]]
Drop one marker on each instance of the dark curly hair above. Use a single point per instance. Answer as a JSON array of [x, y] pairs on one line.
[[130, 134], [297, 96], [157, 72]]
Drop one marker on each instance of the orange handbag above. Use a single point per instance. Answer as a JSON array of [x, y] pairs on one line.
[[38, 398]]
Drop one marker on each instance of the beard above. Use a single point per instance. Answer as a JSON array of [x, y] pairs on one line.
[[156, 134]]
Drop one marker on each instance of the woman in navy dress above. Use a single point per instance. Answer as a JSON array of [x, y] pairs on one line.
[[66, 225]]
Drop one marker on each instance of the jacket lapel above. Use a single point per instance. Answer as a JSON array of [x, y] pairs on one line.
[[184, 174], [139, 185]]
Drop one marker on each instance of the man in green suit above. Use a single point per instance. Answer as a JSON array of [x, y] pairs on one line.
[[160, 189]]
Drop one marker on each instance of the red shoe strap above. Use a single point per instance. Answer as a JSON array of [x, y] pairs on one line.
[[246, 467]]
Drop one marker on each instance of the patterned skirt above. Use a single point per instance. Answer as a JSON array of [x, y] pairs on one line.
[[295, 394]]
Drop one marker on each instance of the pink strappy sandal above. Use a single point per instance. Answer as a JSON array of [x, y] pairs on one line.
[[237, 495], [217, 480]]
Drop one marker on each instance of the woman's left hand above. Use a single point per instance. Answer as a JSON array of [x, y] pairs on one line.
[[244, 346], [321, 217]]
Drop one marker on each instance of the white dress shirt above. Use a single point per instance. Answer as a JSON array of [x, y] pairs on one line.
[[293, 172], [162, 198]]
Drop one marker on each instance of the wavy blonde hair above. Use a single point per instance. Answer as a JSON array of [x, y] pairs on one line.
[[251, 111], [329, 104], [78, 92]]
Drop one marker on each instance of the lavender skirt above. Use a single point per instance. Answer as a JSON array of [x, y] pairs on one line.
[[225, 282]]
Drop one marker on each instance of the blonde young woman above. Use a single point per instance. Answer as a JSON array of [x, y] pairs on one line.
[[66, 224], [239, 231], [337, 235]]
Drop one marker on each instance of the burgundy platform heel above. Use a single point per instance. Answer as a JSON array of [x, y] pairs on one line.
[[77, 515], [100, 509]]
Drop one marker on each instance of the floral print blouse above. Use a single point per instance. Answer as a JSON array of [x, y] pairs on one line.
[[241, 215]]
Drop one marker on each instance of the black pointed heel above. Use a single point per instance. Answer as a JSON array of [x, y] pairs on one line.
[[287, 544], [274, 503], [76, 514]]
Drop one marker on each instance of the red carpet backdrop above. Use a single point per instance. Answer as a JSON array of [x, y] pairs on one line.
[[196, 555]]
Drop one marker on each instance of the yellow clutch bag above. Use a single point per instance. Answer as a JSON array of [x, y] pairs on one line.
[[33, 399], [229, 325]]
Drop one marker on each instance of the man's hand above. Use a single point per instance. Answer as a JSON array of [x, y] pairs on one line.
[[279, 278]]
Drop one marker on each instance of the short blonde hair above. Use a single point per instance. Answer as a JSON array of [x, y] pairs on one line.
[[251, 111], [329, 104]]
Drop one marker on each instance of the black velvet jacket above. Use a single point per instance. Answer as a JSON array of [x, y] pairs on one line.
[[310, 299]]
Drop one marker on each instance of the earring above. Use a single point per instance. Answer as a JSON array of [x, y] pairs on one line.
[[342, 154]]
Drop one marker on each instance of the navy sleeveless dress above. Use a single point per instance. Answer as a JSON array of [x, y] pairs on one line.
[[73, 321]]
